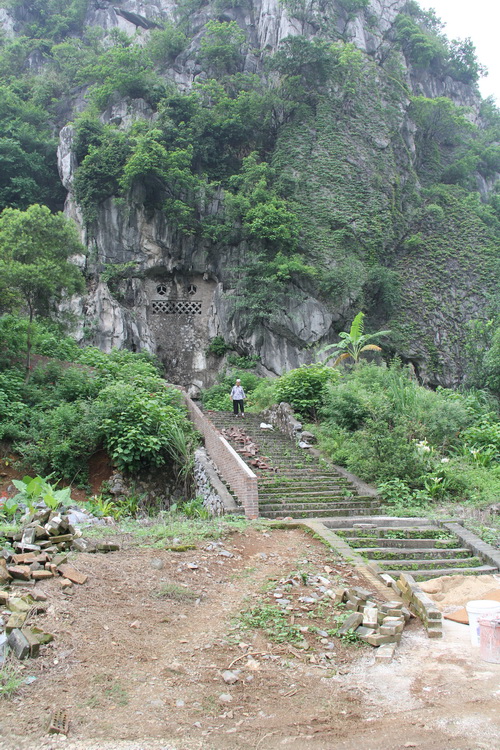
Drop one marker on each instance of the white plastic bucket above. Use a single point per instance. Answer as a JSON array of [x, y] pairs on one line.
[[477, 609]]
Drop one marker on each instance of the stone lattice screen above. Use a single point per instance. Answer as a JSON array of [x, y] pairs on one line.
[[176, 307]]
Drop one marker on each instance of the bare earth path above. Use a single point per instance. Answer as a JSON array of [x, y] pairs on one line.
[[136, 672]]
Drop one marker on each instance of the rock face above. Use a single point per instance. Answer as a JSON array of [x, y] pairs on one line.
[[176, 297]]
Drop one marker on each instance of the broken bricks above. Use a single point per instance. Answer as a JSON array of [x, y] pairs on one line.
[[37, 553], [72, 574], [380, 625]]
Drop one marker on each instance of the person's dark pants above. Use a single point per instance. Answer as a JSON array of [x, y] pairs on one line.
[[238, 403]]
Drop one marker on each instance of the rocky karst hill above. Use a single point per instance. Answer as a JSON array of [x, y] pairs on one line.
[[260, 171]]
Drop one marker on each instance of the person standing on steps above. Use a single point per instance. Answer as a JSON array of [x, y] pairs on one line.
[[238, 396]]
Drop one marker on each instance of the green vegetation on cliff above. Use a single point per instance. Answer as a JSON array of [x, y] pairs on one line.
[[326, 171]]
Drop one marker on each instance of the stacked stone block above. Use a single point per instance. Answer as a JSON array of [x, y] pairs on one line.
[[421, 605]]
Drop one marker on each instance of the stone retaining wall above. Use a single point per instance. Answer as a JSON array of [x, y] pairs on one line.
[[231, 467], [212, 501], [282, 417], [421, 605], [484, 551], [216, 497]]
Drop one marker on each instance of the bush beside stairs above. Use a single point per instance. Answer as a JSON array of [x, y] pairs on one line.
[[293, 483]]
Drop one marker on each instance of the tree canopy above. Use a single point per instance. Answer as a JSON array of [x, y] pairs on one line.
[[35, 270]]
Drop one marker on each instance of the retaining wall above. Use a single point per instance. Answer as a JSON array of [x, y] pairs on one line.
[[231, 467]]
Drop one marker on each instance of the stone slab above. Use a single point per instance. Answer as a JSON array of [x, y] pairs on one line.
[[351, 623], [19, 644], [385, 653], [74, 575], [42, 575], [21, 572]]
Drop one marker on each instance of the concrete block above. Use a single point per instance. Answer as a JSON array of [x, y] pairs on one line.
[[434, 614], [21, 572], [361, 630], [28, 536], [386, 652], [370, 617], [387, 630], [18, 644], [107, 547], [16, 621], [61, 538], [33, 642], [353, 599], [351, 623], [434, 633], [387, 579], [361, 593], [18, 604], [60, 558], [42, 575], [24, 558], [72, 574]]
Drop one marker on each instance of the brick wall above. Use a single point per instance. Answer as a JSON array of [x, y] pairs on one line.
[[232, 468]]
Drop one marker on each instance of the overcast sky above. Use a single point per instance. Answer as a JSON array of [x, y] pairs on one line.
[[479, 20]]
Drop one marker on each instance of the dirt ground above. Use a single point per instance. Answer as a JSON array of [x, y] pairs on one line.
[[137, 672]]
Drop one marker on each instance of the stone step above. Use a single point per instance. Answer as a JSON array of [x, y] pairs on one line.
[[415, 563], [302, 488], [315, 496], [313, 513], [411, 530], [312, 506], [424, 575], [303, 475], [362, 542], [352, 502], [374, 553]]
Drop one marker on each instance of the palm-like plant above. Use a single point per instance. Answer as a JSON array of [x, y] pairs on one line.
[[354, 343]]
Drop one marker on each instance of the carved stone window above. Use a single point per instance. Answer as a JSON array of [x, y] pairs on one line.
[[175, 307], [161, 289], [191, 290]]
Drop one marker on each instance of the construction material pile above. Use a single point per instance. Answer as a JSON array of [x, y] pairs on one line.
[[37, 553]]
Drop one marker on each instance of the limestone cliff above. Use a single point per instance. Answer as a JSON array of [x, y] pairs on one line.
[[383, 224]]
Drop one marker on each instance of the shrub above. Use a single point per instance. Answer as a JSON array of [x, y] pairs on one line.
[[141, 431], [218, 346], [345, 407], [304, 388], [62, 439]]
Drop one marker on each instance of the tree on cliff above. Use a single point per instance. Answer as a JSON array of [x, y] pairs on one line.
[[35, 272], [354, 342]]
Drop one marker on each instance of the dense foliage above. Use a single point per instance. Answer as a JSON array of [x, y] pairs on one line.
[[419, 445], [66, 412]]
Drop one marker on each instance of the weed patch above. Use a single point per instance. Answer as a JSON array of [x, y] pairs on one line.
[[175, 593]]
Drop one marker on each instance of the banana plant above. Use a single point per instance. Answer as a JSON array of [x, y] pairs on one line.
[[353, 343]]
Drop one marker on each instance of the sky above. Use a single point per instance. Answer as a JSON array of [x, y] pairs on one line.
[[479, 20]]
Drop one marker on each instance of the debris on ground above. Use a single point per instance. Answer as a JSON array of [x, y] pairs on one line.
[[37, 553]]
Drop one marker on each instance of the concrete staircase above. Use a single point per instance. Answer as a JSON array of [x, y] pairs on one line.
[[293, 483], [413, 545]]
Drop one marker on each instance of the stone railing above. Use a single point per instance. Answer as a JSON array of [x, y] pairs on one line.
[[231, 467]]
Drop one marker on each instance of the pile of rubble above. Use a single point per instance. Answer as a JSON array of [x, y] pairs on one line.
[[247, 447], [37, 553], [380, 625]]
